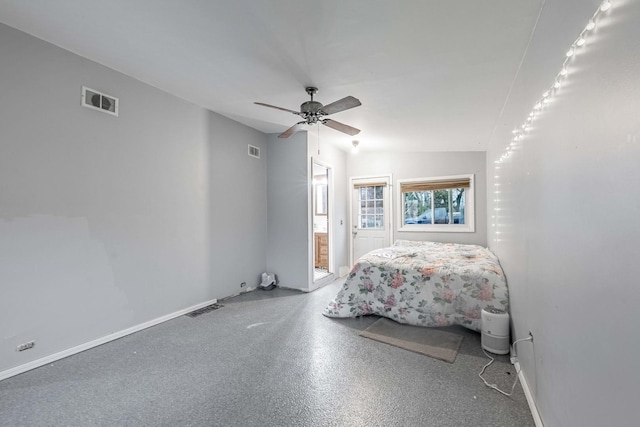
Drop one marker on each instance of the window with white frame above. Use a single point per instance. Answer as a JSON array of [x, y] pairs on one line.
[[437, 204], [371, 200]]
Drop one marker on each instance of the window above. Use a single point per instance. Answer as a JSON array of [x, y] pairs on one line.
[[437, 204], [371, 212]]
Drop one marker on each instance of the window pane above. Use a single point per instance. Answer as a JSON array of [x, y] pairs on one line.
[[379, 190], [371, 221], [371, 207], [457, 199], [440, 198], [370, 192], [417, 207]]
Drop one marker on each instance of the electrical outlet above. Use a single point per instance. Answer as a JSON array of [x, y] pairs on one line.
[[26, 346], [243, 284]]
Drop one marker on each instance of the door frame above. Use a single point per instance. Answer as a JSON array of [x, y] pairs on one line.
[[388, 178], [330, 213]]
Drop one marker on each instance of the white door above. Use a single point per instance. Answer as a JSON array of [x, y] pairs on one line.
[[371, 215]]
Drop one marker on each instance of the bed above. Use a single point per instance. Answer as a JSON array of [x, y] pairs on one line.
[[424, 283]]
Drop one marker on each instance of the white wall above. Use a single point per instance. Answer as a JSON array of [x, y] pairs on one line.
[[402, 165], [288, 209], [109, 222], [565, 224]]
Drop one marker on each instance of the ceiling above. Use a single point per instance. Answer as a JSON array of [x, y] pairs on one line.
[[431, 75]]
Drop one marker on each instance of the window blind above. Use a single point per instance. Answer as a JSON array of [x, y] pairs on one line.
[[370, 184], [444, 184]]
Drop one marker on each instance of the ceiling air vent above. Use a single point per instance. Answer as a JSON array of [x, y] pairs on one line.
[[99, 101], [254, 151]]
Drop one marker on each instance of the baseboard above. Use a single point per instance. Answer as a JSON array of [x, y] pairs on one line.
[[344, 270], [527, 392], [86, 346], [330, 278], [244, 291]]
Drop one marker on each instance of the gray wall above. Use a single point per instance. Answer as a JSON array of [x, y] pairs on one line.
[[105, 222], [403, 165], [289, 225], [288, 195], [238, 206], [565, 223]]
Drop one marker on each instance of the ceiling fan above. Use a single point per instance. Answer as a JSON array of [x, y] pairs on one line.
[[314, 112]]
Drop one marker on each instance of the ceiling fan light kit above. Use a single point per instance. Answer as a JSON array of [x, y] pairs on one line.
[[313, 112]]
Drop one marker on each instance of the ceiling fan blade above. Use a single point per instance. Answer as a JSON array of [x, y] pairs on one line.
[[341, 105], [341, 127], [293, 129], [277, 108]]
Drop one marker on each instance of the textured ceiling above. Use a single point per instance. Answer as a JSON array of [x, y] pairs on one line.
[[431, 76]]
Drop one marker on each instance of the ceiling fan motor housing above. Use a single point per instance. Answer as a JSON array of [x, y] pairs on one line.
[[311, 111]]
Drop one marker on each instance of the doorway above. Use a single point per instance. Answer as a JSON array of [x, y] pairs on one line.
[[370, 215], [321, 195]]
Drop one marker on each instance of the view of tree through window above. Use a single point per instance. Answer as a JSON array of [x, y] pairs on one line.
[[434, 206]]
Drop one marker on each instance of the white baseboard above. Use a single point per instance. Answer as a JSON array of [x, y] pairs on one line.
[[244, 291], [527, 392], [86, 346], [330, 278]]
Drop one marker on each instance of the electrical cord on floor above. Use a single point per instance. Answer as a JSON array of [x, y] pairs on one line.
[[495, 386]]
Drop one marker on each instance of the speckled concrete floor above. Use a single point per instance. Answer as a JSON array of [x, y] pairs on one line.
[[267, 358]]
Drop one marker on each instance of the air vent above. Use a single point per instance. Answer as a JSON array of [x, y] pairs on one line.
[[254, 151], [99, 101], [204, 310]]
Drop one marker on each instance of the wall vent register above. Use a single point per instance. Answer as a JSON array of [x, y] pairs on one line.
[[99, 101], [254, 151]]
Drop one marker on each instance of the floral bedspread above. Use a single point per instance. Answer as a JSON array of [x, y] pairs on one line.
[[424, 283]]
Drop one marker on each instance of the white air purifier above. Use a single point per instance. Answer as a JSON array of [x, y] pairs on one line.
[[495, 330]]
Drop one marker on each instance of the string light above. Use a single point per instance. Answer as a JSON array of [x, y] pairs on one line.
[[518, 134]]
